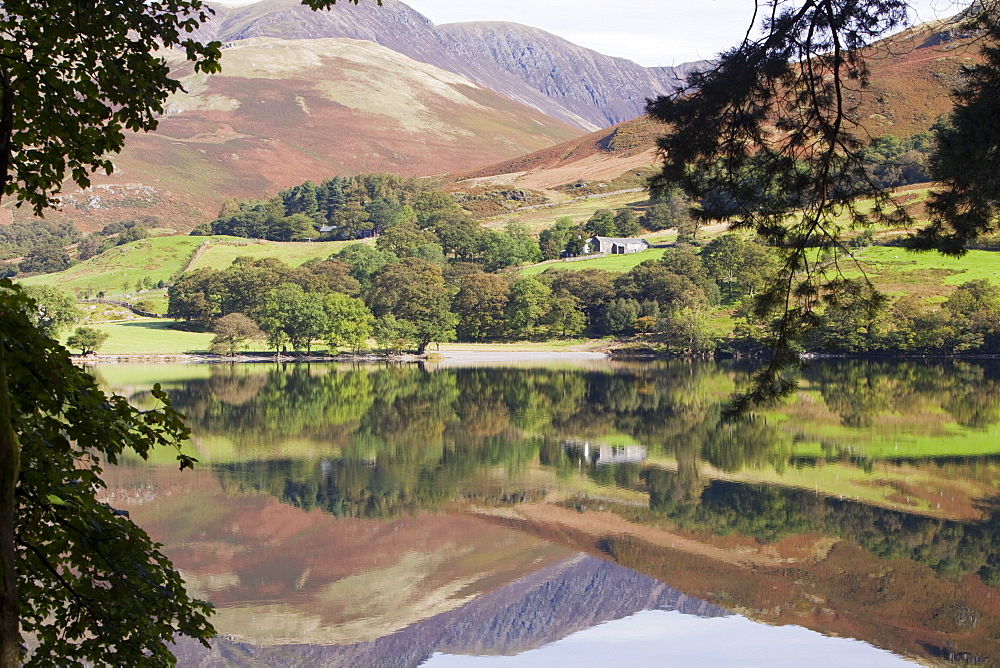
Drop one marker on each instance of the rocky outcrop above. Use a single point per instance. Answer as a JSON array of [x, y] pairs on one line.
[[602, 89]]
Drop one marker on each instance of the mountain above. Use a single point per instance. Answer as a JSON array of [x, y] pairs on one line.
[[284, 111], [575, 594], [599, 156], [912, 76], [393, 25], [602, 89], [534, 67], [308, 95], [356, 88]]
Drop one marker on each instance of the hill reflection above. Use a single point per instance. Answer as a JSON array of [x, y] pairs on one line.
[[863, 506]]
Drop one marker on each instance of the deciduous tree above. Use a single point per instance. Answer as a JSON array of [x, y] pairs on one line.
[[54, 309], [87, 339], [291, 314], [480, 306], [349, 321], [414, 291], [86, 582], [231, 332]]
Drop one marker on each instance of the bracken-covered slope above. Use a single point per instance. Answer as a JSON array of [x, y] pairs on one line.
[[912, 76], [561, 79], [284, 111], [393, 25]]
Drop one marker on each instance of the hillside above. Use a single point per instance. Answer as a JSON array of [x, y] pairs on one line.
[[602, 89], [602, 155], [298, 101], [283, 112], [912, 76], [534, 67]]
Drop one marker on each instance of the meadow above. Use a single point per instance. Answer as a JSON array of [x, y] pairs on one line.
[[116, 271]]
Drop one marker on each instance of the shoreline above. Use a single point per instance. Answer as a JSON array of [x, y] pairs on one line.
[[463, 356], [436, 357]]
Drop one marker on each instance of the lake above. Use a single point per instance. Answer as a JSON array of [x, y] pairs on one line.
[[589, 514]]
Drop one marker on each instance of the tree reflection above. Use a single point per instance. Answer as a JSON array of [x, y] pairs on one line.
[[387, 440]]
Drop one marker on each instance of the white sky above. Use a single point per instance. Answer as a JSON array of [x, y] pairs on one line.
[[650, 32], [674, 640]]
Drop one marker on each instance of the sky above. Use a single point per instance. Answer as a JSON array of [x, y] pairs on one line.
[[650, 32], [662, 638]]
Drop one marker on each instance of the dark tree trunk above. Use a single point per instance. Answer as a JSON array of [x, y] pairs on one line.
[[10, 450], [10, 466]]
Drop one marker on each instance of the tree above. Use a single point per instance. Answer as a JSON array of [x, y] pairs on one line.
[[391, 334], [459, 235], [507, 249], [668, 209], [654, 281], [480, 306], [414, 291], [403, 240], [530, 300], [602, 223], [627, 223], [46, 258], [349, 321], [365, 261], [245, 285], [231, 332], [87, 339], [768, 139], [593, 288], [78, 575], [554, 240], [291, 314], [74, 78], [619, 317], [296, 227], [684, 261], [196, 296], [564, 317], [686, 331], [54, 309], [966, 159]]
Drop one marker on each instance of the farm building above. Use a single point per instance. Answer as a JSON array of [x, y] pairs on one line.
[[613, 246]]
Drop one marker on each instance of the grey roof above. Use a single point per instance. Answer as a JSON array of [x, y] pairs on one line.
[[613, 240]]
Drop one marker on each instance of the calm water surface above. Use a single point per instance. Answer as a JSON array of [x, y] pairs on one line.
[[589, 514]]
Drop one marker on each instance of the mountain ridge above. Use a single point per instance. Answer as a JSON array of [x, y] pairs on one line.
[[509, 58]]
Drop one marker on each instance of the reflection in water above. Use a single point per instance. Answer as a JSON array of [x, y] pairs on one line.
[[551, 603], [864, 505]]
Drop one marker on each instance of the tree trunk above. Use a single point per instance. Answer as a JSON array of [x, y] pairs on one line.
[[422, 348], [10, 450], [10, 467]]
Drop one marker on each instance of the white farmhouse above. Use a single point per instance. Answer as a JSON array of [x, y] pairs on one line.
[[613, 246]]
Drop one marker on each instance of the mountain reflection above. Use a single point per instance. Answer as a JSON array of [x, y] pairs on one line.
[[863, 506]]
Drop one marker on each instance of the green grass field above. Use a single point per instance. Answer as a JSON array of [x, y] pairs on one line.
[[149, 335], [899, 271], [224, 250], [116, 271], [617, 263]]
